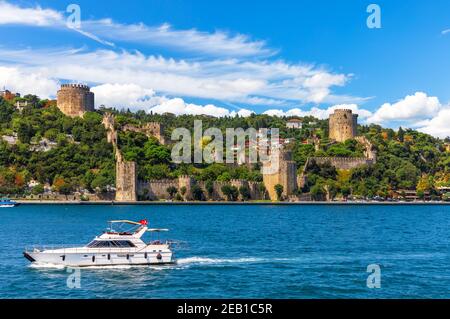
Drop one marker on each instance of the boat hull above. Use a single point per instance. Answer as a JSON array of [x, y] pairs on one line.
[[99, 259]]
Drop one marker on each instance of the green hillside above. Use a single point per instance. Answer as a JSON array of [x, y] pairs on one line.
[[40, 143]]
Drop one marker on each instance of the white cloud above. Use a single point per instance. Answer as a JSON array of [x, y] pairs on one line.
[[178, 106], [242, 113], [28, 82], [12, 14], [319, 112], [217, 43], [253, 82], [223, 70], [412, 108], [444, 32], [438, 125], [134, 97], [124, 96]]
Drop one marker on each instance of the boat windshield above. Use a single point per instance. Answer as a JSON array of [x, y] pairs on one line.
[[110, 243]]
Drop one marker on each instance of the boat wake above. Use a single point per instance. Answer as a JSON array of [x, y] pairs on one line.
[[46, 266], [179, 264], [213, 261]]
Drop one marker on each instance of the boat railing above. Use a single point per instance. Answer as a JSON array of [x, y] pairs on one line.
[[34, 248]]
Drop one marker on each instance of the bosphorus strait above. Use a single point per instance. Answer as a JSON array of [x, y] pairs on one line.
[[240, 251]]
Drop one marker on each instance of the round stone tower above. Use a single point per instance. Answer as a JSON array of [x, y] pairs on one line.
[[343, 124], [75, 99]]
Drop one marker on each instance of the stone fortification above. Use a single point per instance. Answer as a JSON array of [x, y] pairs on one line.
[[126, 177], [285, 175], [75, 99], [342, 125]]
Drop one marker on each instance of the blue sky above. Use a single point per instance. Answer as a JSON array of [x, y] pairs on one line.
[[228, 57]]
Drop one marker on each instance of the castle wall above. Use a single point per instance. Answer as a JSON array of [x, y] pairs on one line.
[[151, 129], [75, 99], [343, 162], [157, 189], [126, 171]]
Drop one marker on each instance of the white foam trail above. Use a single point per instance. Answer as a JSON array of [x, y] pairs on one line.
[[46, 265], [180, 263], [203, 260]]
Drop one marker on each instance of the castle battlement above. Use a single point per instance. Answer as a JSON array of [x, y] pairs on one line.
[[342, 111], [75, 86], [163, 181]]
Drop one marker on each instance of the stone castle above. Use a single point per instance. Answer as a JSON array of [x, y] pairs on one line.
[[343, 125], [75, 99]]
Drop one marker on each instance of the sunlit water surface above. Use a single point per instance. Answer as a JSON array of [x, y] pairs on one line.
[[240, 252]]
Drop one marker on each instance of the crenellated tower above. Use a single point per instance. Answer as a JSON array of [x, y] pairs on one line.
[[343, 125], [75, 99]]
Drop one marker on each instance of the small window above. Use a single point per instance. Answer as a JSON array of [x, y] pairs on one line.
[[125, 243], [114, 244]]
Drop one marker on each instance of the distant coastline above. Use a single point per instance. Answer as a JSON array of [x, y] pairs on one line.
[[194, 203]]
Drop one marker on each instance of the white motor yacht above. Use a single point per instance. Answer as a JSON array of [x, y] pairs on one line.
[[7, 203], [111, 248]]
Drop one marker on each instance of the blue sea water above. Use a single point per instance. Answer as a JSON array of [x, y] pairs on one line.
[[241, 251]]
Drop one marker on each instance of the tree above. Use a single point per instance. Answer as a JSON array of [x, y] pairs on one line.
[[209, 188], [425, 184], [231, 192], [25, 132], [245, 192], [262, 190], [197, 193], [279, 191], [172, 190], [38, 189], [156, 154], [317, 192], [100, 183], [58, 182], [65, 189], [407, 175], [158, 171], [6, 111]]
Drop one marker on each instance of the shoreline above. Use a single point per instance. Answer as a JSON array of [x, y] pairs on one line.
[[194, 203]]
